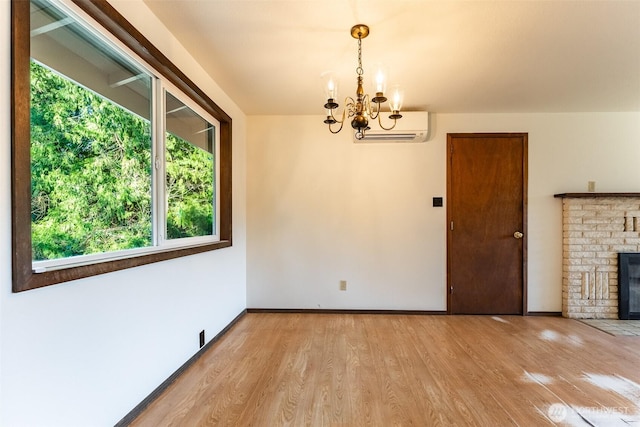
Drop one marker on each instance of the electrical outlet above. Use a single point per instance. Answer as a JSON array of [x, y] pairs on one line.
[[202, 338], [343, 285], [591, 186]]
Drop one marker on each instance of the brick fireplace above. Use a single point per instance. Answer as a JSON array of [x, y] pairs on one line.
[[595, 228]]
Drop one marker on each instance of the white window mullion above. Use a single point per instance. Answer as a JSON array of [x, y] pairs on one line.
[[159, 161]]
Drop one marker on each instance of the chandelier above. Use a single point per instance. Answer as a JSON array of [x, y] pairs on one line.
[[363, 107]]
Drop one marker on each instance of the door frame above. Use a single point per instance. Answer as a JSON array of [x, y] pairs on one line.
[[525, 178]]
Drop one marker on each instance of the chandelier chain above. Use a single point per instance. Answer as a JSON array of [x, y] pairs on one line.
[[359, 70]]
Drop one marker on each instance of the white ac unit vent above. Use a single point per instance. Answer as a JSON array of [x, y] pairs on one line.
[[412, 127]]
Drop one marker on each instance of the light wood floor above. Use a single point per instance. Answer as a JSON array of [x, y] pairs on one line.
[[407, 370]]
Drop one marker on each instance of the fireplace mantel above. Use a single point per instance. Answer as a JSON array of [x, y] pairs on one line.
[[595, 195]]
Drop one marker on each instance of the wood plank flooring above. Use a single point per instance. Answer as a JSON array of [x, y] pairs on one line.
[[406, 370]]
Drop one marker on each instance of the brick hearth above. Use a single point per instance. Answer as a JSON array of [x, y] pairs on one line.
[[595, 228]]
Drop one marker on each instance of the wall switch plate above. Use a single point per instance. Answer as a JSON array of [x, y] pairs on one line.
[[437, 202], [343, 285]]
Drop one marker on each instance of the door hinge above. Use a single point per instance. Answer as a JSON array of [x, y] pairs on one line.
[[451, 226], [451, 290]]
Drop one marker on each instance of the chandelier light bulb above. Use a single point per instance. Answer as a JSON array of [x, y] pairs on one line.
[[331, 89], [379, 82], [330, 85], [397, 96], [379, 79]]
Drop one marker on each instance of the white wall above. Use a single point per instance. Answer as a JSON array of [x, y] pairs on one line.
[[322, 209], [84, 353]]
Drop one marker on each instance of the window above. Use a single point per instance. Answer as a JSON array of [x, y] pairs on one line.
[[189, 172], [115, 164]]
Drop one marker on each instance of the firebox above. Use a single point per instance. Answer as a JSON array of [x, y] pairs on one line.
[[629, 285]]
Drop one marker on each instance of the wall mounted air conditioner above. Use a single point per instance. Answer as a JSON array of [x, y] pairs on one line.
[[412, 127]]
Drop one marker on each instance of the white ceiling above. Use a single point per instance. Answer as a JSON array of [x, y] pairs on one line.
[[449, 55]]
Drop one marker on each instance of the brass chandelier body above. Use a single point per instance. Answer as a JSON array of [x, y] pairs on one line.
[[363, 107]]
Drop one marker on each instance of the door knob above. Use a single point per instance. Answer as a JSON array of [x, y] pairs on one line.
[[518, 235]]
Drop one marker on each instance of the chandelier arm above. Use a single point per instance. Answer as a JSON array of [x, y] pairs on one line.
[[376, 114], [349, 101], [349, 106], [384, 128], [341, 124], [337, 121]]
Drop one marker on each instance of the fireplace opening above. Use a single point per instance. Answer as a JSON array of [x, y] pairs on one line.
[[629, 285]]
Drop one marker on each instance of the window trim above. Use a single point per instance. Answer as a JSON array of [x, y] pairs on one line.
[[24, 278]]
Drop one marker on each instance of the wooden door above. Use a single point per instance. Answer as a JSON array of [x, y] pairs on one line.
[[486, 213]]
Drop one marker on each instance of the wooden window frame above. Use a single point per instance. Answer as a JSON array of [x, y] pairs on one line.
[[101, 11]]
